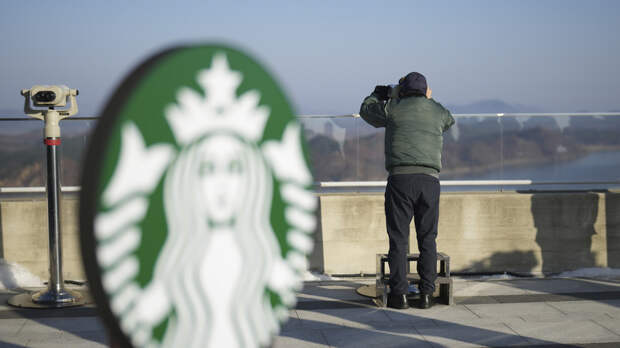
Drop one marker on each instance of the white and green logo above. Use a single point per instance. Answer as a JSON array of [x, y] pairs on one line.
[[196, 209]]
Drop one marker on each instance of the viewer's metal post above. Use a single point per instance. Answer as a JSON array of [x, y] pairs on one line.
[[50, 96], [53, 206]]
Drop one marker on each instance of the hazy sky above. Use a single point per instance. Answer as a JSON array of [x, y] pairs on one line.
[[556, 55]]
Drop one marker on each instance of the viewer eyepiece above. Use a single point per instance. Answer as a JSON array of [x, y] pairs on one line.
[[44, 97]]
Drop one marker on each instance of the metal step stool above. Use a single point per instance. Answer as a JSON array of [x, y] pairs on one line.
[[443, 283]]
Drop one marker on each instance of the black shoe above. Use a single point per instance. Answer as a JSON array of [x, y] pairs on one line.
[[426, 301], [397, 301]]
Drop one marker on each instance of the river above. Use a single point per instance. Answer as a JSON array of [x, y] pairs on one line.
[[596, 166]]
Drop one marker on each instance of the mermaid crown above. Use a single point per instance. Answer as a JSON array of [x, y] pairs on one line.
[[219, 109]]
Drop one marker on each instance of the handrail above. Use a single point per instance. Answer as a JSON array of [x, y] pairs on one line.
[[37, 189], [354, 184], [334, 184], [540, 114], [503, 114], [72, 118]]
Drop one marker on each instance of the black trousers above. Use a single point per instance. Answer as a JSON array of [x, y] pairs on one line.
[[407, 196]]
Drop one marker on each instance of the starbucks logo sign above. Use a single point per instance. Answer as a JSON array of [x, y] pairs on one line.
[[196, 209]]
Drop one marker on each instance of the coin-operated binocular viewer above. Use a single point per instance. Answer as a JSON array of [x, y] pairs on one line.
[[47, 99], [50, 97]]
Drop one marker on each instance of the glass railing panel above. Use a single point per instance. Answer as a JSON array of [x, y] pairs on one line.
[[561, 148], [332, 146], [23, 156], [371, 164], [547, 148], [22, 153], [599, 140], [472, 149], [75, 138]]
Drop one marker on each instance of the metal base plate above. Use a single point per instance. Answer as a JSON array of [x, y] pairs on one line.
[[47, 299], [377, 296], [367, 290], [371, 291]]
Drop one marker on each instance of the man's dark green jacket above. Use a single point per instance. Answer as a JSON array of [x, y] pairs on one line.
[[414, 129]]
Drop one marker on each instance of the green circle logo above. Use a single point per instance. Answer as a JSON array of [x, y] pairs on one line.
[[196, 210]]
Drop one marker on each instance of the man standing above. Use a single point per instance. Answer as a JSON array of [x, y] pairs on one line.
[[414, 126]]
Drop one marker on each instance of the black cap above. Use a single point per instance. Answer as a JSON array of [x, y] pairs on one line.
[[413, 84]]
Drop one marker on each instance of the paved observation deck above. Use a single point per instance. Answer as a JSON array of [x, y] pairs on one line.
[[549, 312]]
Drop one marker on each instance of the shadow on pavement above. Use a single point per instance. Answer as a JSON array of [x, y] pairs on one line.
[[73, 325], [81, 328], [400, 330], [326, 320], [605, 291]]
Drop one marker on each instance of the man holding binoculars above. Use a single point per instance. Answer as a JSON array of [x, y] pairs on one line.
[[414, 126]]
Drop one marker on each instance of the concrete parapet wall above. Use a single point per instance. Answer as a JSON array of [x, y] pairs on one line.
[[24, 236], [482, 232]]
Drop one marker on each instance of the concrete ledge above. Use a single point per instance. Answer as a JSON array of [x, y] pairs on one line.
[[24, 235], [544, 232], [525, 232]]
